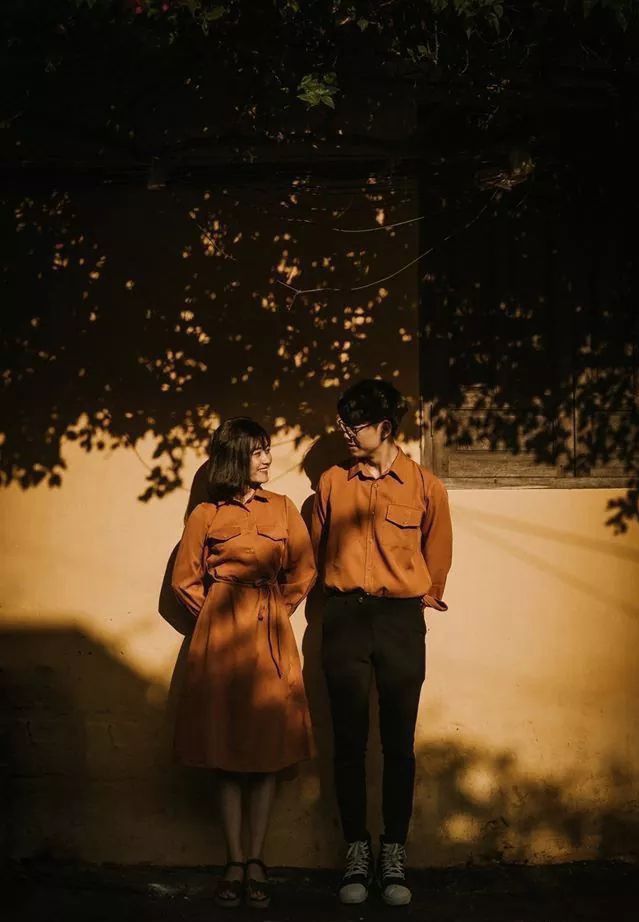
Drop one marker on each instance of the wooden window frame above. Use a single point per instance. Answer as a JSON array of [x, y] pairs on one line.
[[433, 448]]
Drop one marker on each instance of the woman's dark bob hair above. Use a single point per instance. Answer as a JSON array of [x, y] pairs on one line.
[[372, 401], [230, 451]]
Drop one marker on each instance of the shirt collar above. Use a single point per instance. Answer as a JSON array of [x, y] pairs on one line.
[[398, 468]]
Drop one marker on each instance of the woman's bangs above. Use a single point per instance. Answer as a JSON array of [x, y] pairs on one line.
[[260, 441]]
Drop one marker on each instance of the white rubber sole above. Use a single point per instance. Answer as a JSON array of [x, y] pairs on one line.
[[358, 895], [397, 899]]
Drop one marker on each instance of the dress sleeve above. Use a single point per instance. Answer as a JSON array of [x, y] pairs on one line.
[[189, 570], [437, 544], [298, 571]]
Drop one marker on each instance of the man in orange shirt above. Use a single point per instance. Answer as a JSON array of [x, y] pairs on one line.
[[383, 541]]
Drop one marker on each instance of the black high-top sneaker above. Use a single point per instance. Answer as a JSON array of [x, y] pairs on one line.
[[391, 874], [358, 873]]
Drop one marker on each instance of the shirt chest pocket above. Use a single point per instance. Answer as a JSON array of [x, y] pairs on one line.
[[220, 535], [402, 526], [272, 531], [271, 541]]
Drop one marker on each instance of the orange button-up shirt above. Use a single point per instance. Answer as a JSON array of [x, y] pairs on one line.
[[386, 536]]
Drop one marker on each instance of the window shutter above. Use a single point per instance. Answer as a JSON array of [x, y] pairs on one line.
[[497, 356]]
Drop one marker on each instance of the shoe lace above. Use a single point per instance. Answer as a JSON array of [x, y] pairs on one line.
[[393, 859], [357, 859]]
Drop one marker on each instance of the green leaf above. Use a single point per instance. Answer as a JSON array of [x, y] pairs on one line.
[[318, 90], [216, 13]]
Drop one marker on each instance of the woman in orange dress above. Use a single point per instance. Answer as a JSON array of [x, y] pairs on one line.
[[244, 564]]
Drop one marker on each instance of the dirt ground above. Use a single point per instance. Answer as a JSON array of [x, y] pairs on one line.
[[39, 892]]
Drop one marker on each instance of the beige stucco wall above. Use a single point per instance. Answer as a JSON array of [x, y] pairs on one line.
[[526, 740], [527, 745]]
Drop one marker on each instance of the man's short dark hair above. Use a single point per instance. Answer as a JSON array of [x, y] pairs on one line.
[[371, 401]]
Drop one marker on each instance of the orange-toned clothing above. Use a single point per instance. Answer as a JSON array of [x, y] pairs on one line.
[[386, 536], [242, 568]]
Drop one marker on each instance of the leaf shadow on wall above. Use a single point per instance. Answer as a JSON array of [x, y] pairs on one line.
[[148, 316], [135, 320]]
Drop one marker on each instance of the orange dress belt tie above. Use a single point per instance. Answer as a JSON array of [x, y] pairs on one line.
[[267, 605]]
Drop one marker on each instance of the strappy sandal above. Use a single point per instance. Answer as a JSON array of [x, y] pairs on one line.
[[258, 892], [228, 893]]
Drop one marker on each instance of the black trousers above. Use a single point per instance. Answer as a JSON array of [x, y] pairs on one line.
[[363, 635]]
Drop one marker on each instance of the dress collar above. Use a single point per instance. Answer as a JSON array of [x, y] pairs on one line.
[[254, 494]]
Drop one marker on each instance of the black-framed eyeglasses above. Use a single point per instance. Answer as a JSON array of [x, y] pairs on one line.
[[350, 430]]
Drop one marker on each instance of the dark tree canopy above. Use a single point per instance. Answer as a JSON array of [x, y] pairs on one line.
[[123, 80], [167, 166]]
